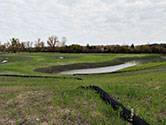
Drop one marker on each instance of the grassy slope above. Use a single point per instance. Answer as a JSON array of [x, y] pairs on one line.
[[25, 63], [59, 101]]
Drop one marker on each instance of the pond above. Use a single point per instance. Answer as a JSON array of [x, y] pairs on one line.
[[101, 69]]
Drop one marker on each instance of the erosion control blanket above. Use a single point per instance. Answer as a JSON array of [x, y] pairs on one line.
[[126, 114]]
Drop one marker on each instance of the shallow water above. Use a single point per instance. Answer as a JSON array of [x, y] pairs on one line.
[[101, 69]]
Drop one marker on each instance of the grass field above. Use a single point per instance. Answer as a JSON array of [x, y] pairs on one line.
[[58, 101]]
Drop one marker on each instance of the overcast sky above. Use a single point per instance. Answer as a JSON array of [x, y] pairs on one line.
[[85, 21]]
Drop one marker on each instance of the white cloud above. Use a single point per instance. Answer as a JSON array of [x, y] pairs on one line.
[[84, 21]]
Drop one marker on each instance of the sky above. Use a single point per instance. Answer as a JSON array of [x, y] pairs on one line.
[[93, 22]]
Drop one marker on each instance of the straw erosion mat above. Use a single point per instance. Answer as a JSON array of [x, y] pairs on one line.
[[59, 101]]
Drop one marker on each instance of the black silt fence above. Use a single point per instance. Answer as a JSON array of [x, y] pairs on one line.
[[126, 114], [31, 76]]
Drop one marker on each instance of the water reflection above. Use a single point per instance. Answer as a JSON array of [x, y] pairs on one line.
[[101, 69]]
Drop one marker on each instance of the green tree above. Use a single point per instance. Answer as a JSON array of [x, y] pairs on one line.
[[75, 48], [132, 46]]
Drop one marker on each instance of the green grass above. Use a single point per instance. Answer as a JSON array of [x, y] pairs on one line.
[[143, 67], [26, 63], [59, 101]]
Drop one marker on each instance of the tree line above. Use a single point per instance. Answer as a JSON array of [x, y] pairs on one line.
[[53, 44], [15, 45]]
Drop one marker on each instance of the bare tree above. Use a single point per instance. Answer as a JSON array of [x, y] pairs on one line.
[[52, 40], [28, 46], [38, 43], [14, 44], [42, 45], [63, 41], [22, 46]]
